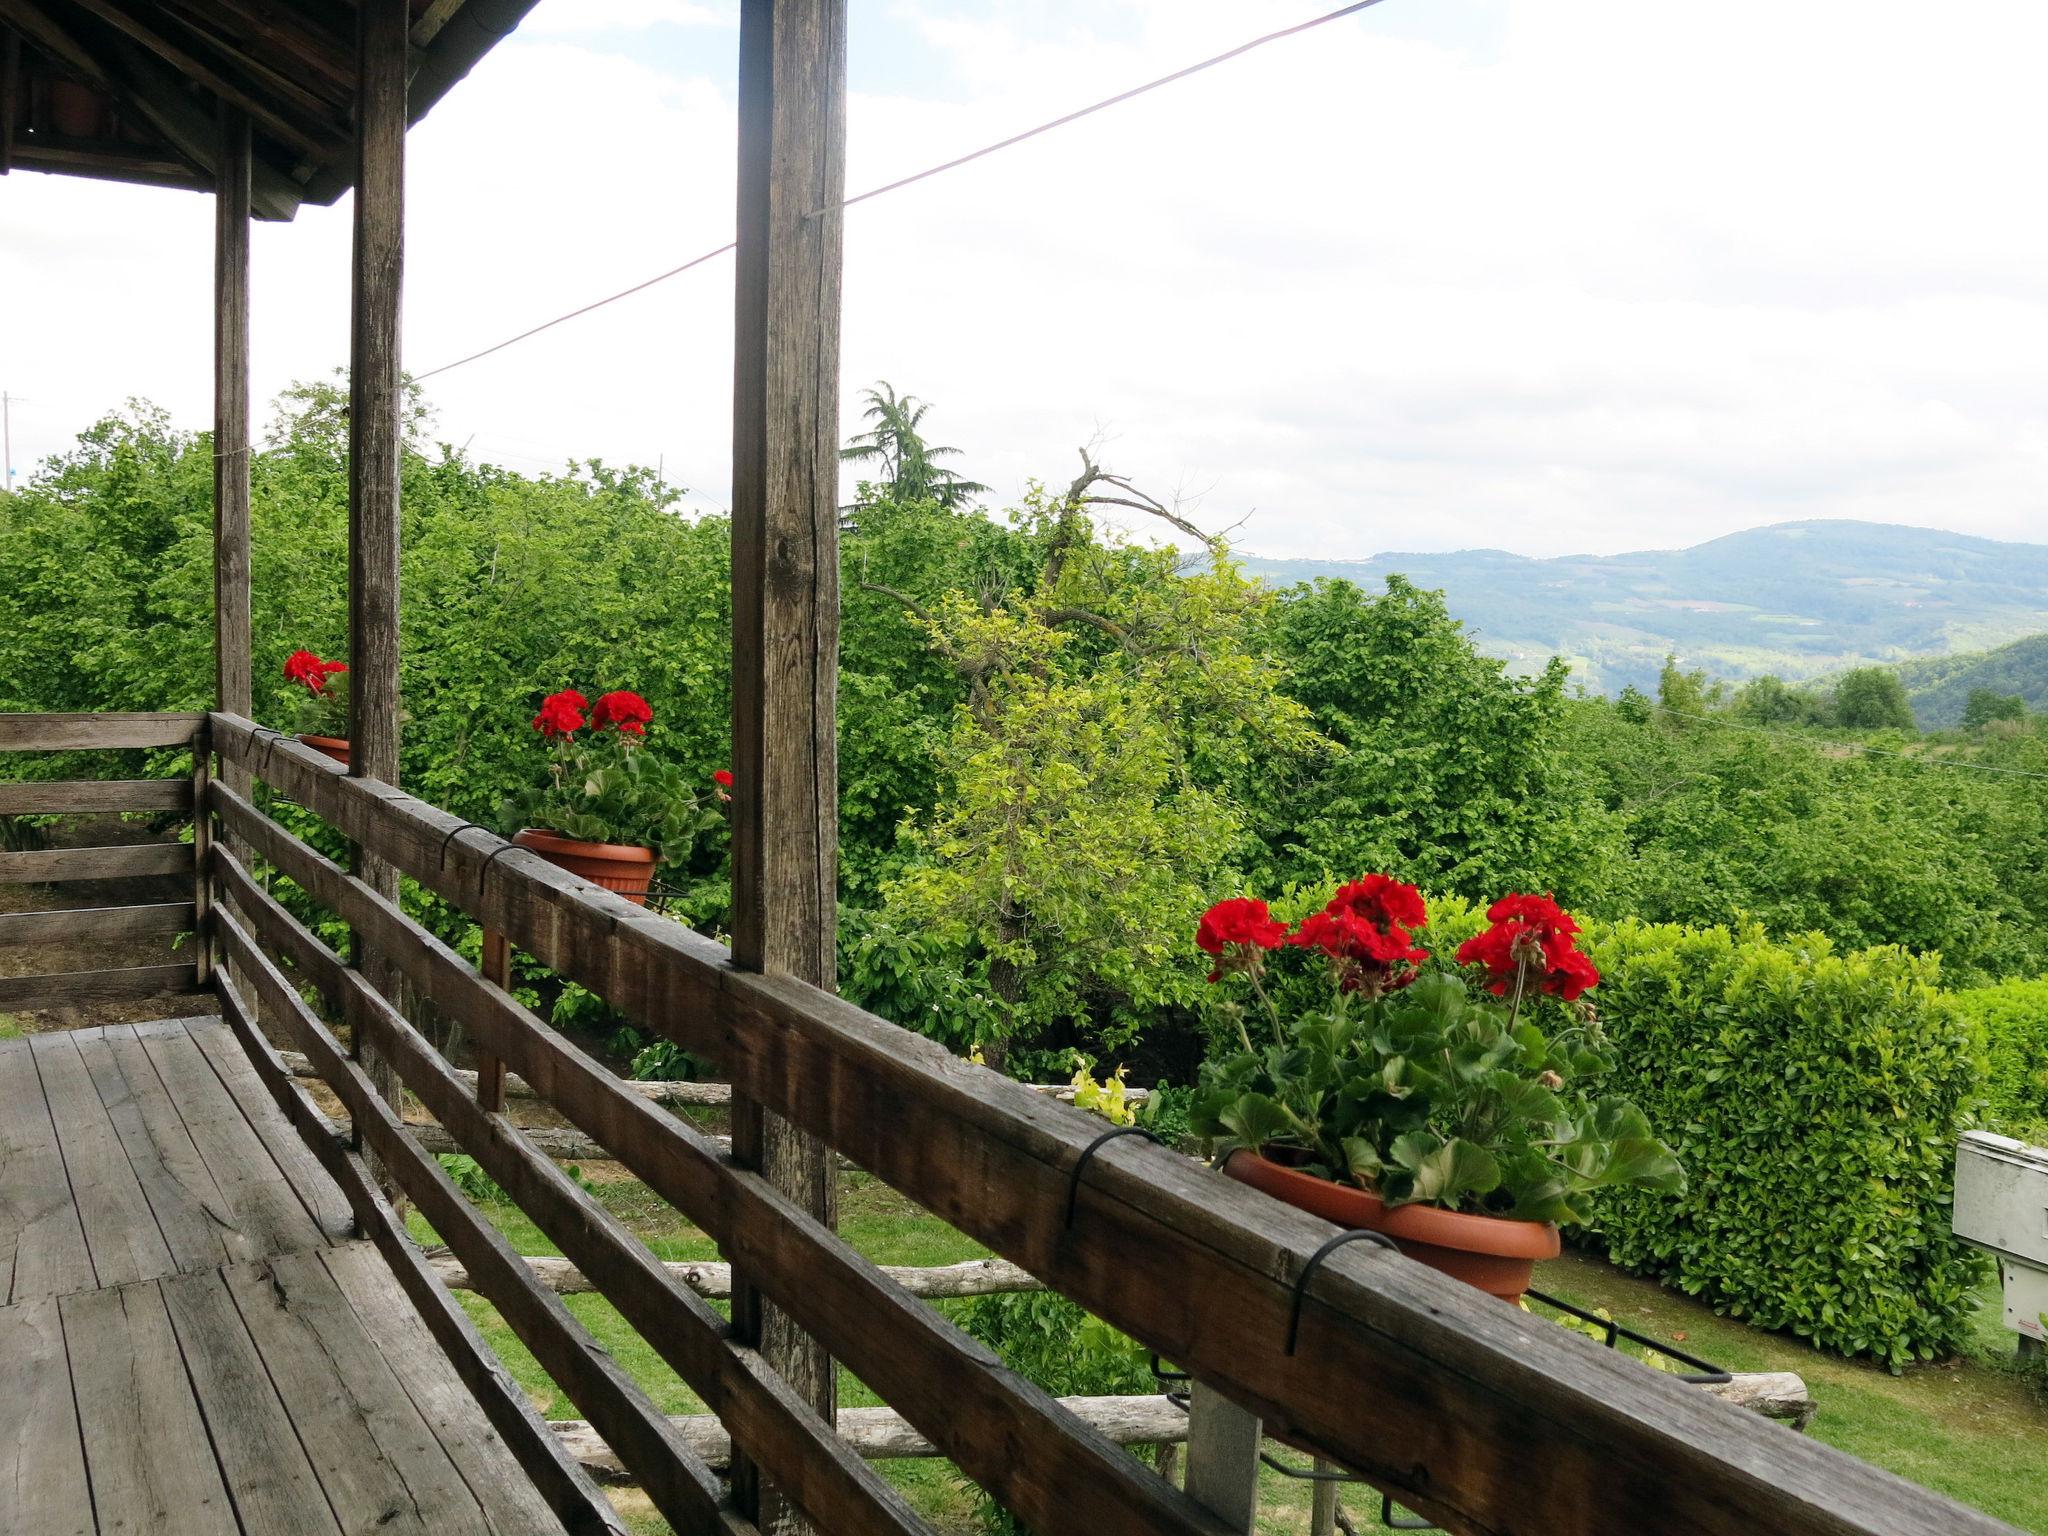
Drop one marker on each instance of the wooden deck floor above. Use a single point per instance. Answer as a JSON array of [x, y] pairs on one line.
[[190, 1340]]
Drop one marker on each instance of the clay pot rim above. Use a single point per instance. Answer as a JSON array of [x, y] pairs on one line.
[[324, 741], [539, 838], [1500, 1236]]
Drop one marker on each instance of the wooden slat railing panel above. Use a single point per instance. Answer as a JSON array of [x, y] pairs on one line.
[[82, 989], [561, 1479], [51, 866], [999, 1428], [97, 924], [88, 732], [672, 1475], [83, 796], [1465, 1410]]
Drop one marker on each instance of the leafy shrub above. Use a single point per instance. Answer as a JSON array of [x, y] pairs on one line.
[[469, 1177], [1814, 1099], [2014, 1019]]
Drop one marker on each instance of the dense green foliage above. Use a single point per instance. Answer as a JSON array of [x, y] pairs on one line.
[[1813, 1096], [1941, 686], [2013, 1017]]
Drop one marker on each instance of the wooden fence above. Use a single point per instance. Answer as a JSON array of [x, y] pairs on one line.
[[1467, 1411]]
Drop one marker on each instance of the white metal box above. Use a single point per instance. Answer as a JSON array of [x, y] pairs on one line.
[[2002, 1204]]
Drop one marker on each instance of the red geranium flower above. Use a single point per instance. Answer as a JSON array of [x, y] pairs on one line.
[[310, 672], [722, 778], [1383, 901], [623, 710], [561, 715], [1235, 931], [1365, 932], [1530, 941]]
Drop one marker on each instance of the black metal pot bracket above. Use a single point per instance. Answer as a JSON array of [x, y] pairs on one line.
[[1356, 1235], [1087, 1154]]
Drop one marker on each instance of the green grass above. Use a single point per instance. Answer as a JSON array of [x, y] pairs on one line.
[[9, 1030], [1975, 1429]]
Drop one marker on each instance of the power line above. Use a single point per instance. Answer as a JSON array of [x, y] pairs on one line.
[[1917, 759], [954, 164]]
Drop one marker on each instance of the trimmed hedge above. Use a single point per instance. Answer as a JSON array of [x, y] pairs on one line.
[[1814, 1099], [2013, 1016]]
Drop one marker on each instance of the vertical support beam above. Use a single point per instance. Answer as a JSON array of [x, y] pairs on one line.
[[203, 948], [232, 667], [785, 535], [375, 389], [1223, 1458]]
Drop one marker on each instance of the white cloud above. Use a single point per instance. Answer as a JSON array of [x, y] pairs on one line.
[[1556, 274], [584, 17]]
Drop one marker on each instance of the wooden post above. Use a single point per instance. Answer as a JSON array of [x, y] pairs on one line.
[[203, 947], [1223, 1457], [490, 1070], [231, 641], [785, 536], [375, 390]]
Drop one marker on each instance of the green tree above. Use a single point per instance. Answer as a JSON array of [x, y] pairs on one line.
[[1685, 695], [1987, 705], [1872, 699], [895, 444]]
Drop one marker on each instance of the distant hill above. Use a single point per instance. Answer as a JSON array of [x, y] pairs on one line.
[[1797, 599], [1940, 686]]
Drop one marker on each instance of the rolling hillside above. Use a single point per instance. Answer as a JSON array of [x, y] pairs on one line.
[[1940, 686], [1796, 599]]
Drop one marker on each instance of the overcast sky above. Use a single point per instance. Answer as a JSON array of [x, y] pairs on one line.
[[1545, 275]]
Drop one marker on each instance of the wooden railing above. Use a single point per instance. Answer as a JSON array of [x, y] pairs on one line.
[[182, 969], [1473, 1413]]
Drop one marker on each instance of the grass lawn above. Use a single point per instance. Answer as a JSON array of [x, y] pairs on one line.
[[1975, 1429]]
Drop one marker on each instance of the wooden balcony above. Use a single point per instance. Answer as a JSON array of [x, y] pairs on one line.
[[219, 1322]]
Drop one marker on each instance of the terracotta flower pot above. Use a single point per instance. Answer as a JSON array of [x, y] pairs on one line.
[[622, 867], [335, 747], [1494, 1254]]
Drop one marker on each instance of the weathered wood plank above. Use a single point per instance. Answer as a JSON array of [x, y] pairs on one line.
[[261, 1458], [883, 1434], [47, 866], [233, 682], [81, 796], [120, 1230], [265, 1205], [711, 1279], [84, 989], [42, 1463], [80, 732], [1398, 1375], [196, 1219], [379, 1465], [681, 1486], [510, 1504], [152, 1467], [42, 1244], [561, 1483], [309, 1181], [785, 590], [97, 924]]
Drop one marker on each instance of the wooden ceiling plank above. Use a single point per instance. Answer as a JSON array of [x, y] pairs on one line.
[[432, 20], [290, 31], [106, 163], [157, 94], [327, 142], [51, 37]]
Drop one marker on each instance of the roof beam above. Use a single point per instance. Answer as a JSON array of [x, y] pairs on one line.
[[288, 30], [157, 95], [10, 92]]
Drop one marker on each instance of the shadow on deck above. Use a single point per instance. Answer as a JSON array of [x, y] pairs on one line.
[[192, 1338]]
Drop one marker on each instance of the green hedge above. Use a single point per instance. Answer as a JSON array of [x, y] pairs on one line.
[[2014, 1018], [1814, 1099]]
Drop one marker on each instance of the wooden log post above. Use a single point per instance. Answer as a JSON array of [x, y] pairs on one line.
[[376, 400], [785, 536], [1223, 1457], [233, 668]]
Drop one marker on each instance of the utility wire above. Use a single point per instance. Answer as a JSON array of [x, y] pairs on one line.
[[1918, 759], [954, 164]]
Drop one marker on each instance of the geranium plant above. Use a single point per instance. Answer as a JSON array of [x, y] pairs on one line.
[[602, 784], [1475, 1095], [323, 709]]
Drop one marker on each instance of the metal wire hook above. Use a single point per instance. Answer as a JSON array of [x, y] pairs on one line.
[[1356, 1235], [1088, 1152]]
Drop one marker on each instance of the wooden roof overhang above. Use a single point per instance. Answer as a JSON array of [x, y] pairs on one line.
[[128, 90]]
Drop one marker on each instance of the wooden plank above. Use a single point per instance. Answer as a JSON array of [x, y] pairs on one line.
[[152, 1465], [380, 1465], [1398, 1376], [309, 1181], [120, 1230], [84, 989], [261, 1198], [708, 1277], [42, 1244], [74, 796], [97, 924], [196, 1219], [95, 729], [510, 1504], [134, 861], [681, 1486], [261, 1458], [562, 1484], [42, 1463], [998, 1427], [785, 590]]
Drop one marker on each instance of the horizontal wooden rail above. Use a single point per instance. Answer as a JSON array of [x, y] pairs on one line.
[[561, 1480], [708, 1277], [75, 796], [1465, 1410], [80, 989], [80, 925], [86, 732], [999, 1428], [50, 866], [685, 1490]]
